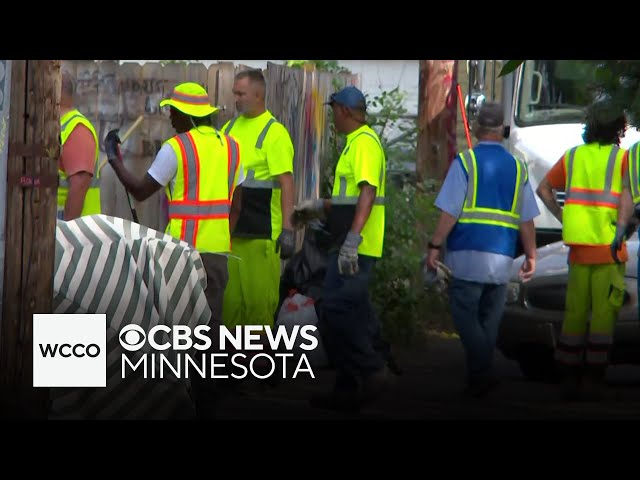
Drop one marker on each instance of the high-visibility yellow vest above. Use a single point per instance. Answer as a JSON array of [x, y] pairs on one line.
[[206, 178], [471, 213], [91, 206], [261, 213], [592, 193], [345, 194], [634, 171]]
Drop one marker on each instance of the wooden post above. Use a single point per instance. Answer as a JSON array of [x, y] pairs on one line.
[[436, 118], [32, 180], [423, 99]]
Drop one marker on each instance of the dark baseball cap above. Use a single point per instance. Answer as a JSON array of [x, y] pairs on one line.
[[350, 97], [490, 115]]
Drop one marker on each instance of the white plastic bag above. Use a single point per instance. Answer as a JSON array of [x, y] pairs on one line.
[[299, 310]]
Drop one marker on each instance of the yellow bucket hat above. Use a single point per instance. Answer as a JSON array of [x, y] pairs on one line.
[[191, 99]]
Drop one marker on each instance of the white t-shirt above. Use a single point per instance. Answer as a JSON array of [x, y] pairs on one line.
[[165, 165]]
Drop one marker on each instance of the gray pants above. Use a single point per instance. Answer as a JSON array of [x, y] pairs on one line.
[[204, 390], [217, 278]]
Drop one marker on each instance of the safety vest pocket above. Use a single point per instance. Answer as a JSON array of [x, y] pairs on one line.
[[616, 289], [255, 214]]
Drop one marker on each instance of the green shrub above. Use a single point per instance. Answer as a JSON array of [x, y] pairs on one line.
[[408, 310]]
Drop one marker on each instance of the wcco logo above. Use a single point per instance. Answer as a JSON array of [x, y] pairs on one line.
[[69, 350], [79, 350]]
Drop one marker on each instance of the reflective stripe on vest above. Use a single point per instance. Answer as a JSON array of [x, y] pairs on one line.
[[232, 151], [342, 198], [583, 196], [191, 210], [634, 171], [64, 181], [200, 210], [590, 214], [64, 125], [250, 180], [471, 213]]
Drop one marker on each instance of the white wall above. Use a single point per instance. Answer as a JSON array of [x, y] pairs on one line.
[[380, 75]]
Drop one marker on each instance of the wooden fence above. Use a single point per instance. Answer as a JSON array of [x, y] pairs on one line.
[[114, 96]]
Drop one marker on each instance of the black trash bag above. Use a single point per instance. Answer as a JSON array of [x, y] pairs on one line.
[[306, 269], [305, 272]]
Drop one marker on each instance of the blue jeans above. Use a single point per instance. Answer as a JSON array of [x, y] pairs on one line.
[[477, 310], [354, 329]]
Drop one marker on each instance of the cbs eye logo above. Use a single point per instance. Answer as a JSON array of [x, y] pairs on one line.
[[132, 337]]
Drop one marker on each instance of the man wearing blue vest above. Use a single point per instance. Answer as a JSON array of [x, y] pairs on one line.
[[486, 201]]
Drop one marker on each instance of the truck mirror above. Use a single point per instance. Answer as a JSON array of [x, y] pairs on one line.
[[507, 131]]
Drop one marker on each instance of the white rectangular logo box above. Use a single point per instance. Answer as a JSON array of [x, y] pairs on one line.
[[69, 350]]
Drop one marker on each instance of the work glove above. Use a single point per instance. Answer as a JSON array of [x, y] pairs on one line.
[[111, 146], [618, 240], [442, 275], [348, 256], [285, 244], [308, 210]]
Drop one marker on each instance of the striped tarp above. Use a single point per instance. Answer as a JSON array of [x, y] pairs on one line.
[[133, 274]]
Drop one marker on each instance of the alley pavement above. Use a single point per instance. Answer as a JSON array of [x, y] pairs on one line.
[[431, 388]]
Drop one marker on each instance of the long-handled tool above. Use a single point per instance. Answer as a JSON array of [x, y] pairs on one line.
[[464, 117], [123, 139], [134, 214]]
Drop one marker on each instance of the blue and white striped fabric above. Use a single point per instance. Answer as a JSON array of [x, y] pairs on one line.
[[133, 274]]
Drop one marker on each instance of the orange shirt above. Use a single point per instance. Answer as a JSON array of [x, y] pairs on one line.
[[79, 152], [584, 254]]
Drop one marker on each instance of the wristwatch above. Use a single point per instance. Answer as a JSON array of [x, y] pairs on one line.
[[435, 247]]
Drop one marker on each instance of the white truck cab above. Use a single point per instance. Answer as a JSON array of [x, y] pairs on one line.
[[544, 118]]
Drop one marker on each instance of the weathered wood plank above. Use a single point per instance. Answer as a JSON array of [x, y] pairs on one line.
[[30, 230], [226, 103], [39, 220], [12, 301]]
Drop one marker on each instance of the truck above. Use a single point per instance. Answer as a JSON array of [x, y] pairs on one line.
[[544, 117]]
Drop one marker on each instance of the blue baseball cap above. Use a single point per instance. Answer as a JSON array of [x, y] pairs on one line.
[[350, 97]]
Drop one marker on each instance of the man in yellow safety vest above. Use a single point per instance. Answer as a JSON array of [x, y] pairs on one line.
[[79, 178], [597, 209]]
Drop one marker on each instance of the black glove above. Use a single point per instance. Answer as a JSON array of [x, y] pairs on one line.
[[111, 142], [618, 240], [286, 244]]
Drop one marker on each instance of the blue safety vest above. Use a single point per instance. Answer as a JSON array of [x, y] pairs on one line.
[[490, 217]]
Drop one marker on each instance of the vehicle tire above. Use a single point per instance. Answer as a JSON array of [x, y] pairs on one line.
[[537, 363]]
